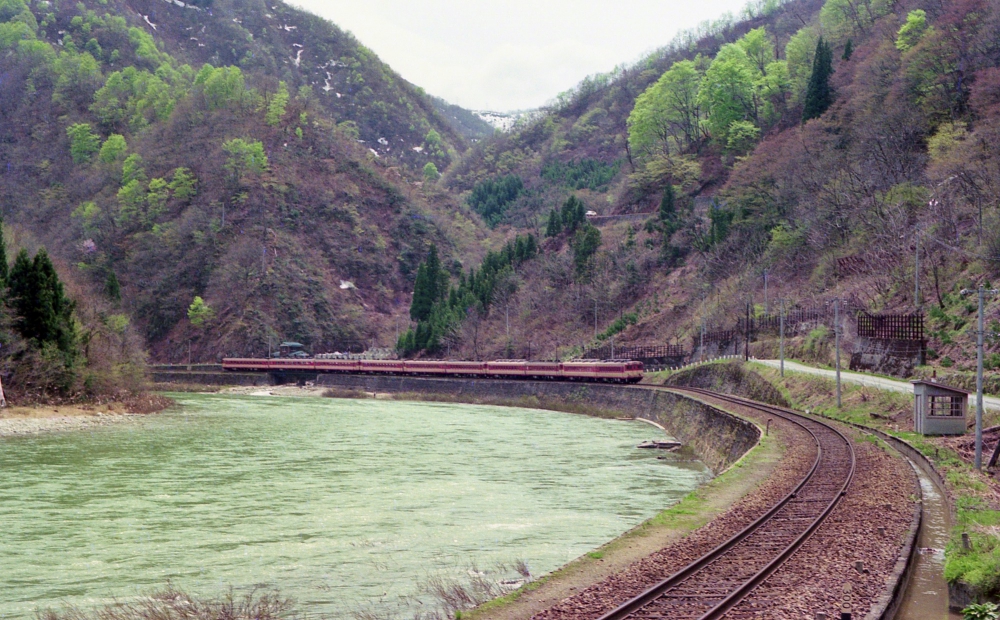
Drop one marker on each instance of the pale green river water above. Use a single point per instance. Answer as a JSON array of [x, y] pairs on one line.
[[342, 504]]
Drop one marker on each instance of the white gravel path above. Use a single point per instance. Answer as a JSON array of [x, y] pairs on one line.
[[990, 402]]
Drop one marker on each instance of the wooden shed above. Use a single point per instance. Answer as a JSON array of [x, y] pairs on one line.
[[939, 409]]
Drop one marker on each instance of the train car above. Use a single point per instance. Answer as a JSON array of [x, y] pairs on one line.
[[245, 363], [633, 371], [336, 365], [580, 370], [426, 368], [388, 367], [506, 368], [293, 365], [467, 369], [543, 370]]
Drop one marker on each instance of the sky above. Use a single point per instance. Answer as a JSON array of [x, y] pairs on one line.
[[511, 54]]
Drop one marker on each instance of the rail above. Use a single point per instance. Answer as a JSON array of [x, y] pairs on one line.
[[715, 583]]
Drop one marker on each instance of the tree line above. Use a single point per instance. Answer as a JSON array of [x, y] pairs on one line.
[[439, 307]]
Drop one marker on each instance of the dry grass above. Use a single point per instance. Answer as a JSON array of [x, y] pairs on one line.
[[172, 604]]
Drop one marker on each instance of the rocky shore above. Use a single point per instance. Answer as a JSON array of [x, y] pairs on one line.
[[29, 420]]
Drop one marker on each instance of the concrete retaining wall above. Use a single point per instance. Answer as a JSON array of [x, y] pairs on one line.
[[213, 378], [717, 438]]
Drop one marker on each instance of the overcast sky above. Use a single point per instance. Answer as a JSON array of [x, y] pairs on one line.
[[511, 54]]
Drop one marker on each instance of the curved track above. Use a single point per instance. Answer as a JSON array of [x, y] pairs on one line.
[[715, 583]]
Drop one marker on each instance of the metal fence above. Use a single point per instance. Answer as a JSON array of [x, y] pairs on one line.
[[891, 326]]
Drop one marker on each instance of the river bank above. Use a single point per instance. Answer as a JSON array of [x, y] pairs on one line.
[[16, 421]]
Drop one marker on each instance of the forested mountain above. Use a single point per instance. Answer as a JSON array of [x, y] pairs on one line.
[[248, 154], [824, 143]]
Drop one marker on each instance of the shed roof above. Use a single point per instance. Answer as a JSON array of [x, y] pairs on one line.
[[291, 345], [941, 386]]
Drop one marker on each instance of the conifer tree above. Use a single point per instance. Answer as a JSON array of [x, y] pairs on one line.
[[44, 313], [668, 208], [112, 289], [848, 50], [420, 307], [554, 226], [4, 267], [819, 95]]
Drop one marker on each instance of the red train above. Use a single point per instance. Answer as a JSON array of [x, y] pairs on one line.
[[609, 371]]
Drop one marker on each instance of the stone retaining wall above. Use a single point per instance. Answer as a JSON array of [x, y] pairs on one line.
[[717, 438]]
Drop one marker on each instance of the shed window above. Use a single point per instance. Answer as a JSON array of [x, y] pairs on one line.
[[946, 406]]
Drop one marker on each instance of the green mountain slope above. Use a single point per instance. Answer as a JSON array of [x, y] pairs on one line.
[[822, 143], [193, 151]]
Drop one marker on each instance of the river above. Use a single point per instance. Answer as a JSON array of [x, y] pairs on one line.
[[343, 504]]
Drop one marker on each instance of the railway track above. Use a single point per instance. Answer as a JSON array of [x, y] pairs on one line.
[[715, 583]]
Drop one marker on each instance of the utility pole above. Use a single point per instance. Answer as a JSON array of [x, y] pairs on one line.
[[980, 337], [916, 276], [836, 335], [765, 293], [781, 337], [979, 382], [595, 317], [701, 344], [746, 337]]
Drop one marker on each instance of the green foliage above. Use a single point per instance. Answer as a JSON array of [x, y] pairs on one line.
[[184, 185], [244, 158], [743, 136], [473, 295], [43, 313], [113, 149], [573, 214], [619, 325], [554, 225], [840, 19], [981, 611], [430, 286], [132, 98], [224, 87], [434, 144], [742, 85], [586, 173], [819, 94], [585, 244], [669, 224], [276, 108], [78, 76], [132, 169], [492, 197], [848, 50], [912, 30], [431, 173], [199, 312], [799, 54], [112, 288], [83, 142], [11, 33], [667, 116], [4, 267]]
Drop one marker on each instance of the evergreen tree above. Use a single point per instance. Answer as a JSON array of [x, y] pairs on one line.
[[819, 95], [668, 207], [4, 267], [430, 286], [44, 313], [554, 226], [848, 50], [420, 307], [112, 289]]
